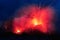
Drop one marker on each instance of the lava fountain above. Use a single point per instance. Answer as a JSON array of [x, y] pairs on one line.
[[34, 17]]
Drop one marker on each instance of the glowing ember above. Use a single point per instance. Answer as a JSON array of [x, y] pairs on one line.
[[18, 31], [33, 17]]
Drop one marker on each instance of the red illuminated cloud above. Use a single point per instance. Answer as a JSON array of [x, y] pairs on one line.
[[33, 17]]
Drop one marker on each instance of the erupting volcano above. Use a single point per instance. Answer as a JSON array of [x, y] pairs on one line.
[[34, 17]]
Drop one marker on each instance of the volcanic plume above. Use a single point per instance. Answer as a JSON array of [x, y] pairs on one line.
[[34, 17]]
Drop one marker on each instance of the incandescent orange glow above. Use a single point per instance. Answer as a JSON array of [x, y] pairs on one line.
[[35, 21], [17, 31]]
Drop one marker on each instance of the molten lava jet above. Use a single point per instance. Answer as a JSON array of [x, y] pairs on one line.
[[33, 17]]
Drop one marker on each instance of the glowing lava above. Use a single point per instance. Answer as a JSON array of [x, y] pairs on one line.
[[35, 21], [34, 17], [18, 31]]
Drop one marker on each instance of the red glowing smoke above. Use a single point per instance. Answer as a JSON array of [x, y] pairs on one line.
[[34, 17]]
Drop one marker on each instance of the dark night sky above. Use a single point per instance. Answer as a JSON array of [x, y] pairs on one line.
[[9, 7]]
